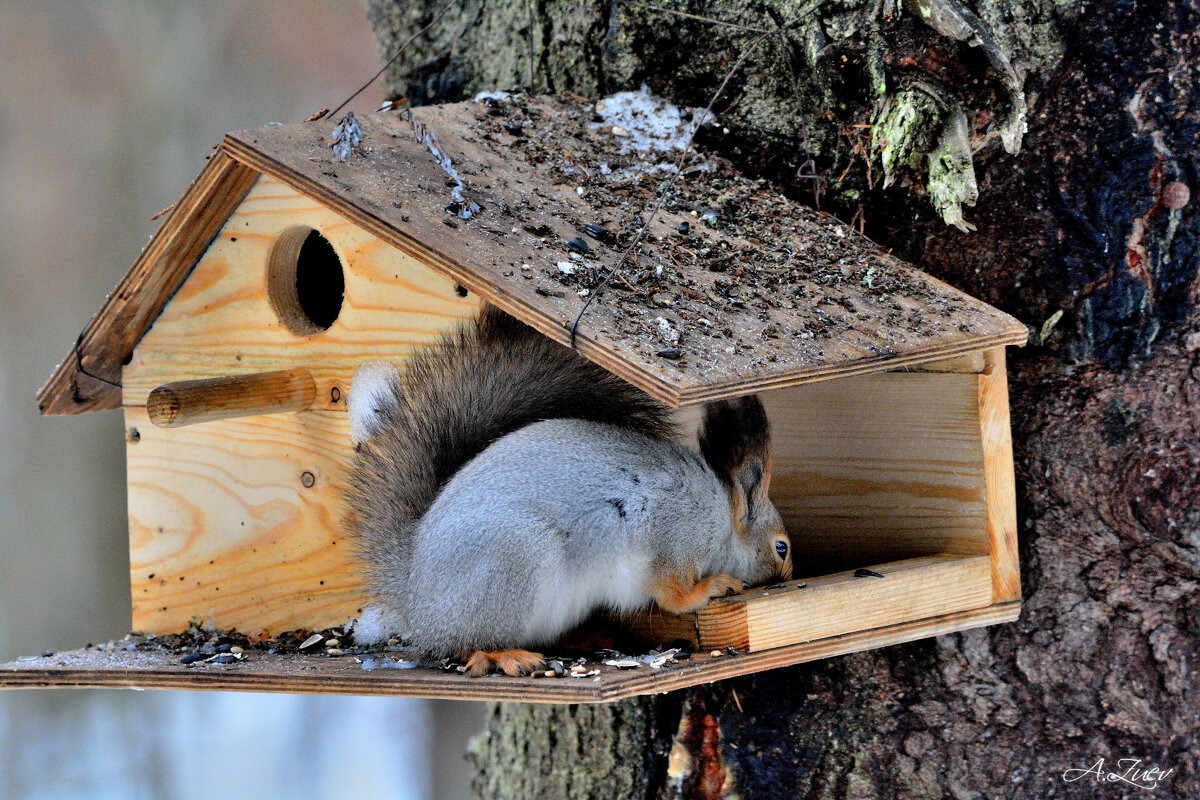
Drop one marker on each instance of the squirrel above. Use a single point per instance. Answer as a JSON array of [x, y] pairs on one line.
[[503, 488]]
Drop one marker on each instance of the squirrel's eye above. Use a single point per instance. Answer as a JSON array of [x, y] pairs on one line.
[[781, 548]]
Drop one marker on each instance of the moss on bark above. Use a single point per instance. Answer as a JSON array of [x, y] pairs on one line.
[[810, 91]]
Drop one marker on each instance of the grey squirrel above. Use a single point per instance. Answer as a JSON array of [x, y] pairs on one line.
[[504, 487]]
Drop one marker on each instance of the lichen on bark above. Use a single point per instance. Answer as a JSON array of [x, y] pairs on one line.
[[812, 89]]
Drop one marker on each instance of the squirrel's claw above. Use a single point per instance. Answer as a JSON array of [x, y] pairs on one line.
[[722, 584], [678, 594], [510, 662]]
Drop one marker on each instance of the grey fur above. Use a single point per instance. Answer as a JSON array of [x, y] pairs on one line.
[[491, 516]]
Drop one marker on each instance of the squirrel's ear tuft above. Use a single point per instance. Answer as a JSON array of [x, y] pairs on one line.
[[736, 441], [374, 392]]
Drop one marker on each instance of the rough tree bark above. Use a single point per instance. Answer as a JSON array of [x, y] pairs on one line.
[[1091, 215]]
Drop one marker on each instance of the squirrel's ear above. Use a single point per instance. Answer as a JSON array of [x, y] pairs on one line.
[[374, 391], [736, 441]]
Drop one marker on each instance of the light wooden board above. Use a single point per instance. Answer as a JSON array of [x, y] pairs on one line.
[[106, 342], [876, 468], [833, 605], [317, 675], [222, 525], [220, 322], [223, 528], [996, 433]]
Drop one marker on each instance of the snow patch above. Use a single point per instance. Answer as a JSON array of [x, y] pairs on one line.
[[494, 96], [652, 124]]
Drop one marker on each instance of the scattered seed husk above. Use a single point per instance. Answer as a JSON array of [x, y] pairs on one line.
[[316, 638], [623, 663], [866, 573], [584, 673]]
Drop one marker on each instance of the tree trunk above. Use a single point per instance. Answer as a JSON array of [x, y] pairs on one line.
[[908, 115]]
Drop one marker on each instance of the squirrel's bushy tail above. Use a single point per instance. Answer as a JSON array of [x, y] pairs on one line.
[[493, 376]]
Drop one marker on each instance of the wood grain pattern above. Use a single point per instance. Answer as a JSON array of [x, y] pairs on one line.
[[996, 431], [316, 675], [484, 254], [833, 605], [109, 338], [971, 362], [225, 528], [876, 468], [174, 405], [222, 524], [221, 323]]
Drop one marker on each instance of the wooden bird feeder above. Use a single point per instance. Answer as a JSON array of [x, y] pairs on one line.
[[230, 345]]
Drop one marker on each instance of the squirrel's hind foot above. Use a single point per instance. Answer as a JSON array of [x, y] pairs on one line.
[[510, 662]]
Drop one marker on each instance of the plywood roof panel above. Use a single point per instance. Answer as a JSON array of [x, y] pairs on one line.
[[756, 292], [734, 288]]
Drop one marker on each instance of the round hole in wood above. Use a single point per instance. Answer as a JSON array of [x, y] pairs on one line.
[[305, 282]]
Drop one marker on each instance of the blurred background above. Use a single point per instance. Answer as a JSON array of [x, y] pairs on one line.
[[107, 110]]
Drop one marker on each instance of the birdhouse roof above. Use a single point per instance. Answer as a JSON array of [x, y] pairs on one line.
[[732, 289]]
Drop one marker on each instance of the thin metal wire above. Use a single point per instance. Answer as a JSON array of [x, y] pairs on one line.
[[444, 10], [79, 365]]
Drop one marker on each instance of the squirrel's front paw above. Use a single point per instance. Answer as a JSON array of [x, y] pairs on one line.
[[510, 662], [722, 584]]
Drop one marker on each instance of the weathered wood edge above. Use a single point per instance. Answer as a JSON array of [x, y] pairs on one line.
[[999, 479], [129, 311], [850, 369], [309, 678]]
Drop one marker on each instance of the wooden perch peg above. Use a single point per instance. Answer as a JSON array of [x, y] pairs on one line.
[[174, 405]]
